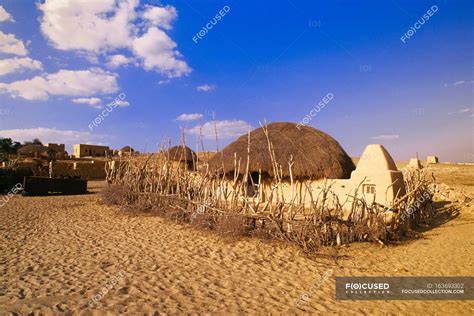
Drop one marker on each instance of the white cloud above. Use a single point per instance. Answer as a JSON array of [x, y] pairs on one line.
[[462, 111], [31, 89], [16, 64], [51, 135], [9, 44], [122, 103], [386, 137], [165, 81], [462, 82], [88, 25], [4, 15], [225, 129], [97, 102], [459, 83], [157, 51], [105, 26], [116, 61], [206, 88], [160, 16], [189, 117], [80, 83], [94, 102]]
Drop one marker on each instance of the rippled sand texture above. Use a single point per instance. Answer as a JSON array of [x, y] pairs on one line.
[[57, 252]]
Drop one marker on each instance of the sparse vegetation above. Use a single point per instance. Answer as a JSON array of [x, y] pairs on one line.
[[157, 184]]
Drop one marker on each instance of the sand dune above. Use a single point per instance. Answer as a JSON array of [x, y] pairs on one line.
[[58, 252]]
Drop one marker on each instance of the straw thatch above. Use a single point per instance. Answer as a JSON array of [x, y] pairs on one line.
[[182, 154], [316, 155], [127, 149]]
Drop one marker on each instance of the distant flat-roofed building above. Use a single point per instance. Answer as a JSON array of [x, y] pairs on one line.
[[432, 159], [56, 147], [59, 150], [85, 150]]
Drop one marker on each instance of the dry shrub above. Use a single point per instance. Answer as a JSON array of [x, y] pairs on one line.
[[176, 214], [234, 225], [205, 220], [116, 194], [262, 231]]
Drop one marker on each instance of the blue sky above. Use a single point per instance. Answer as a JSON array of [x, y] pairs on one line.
[[62, 62]]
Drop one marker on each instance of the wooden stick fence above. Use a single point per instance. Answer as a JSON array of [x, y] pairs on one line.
[[158, 181]]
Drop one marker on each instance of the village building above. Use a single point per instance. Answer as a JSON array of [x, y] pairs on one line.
[[182, 157], [126, 151], [414, 163], [86, 169], [317, 161], [432, 159], [376, 179], [56, 147], [313, 155], [37, 151], [59, 149], [85, 150]]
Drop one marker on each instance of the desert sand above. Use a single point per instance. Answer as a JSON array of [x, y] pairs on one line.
[[58, 252]]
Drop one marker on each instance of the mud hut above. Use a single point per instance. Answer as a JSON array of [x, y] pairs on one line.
[[36, 151], [126, 151], [314, 155], [376, 179], [182, 156], [432, 159], [414, 163]]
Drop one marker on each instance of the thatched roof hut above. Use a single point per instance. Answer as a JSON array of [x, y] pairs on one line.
[[316, 155], [183, 154], [127, 149]]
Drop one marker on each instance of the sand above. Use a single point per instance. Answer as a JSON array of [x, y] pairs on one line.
[[58, 252]]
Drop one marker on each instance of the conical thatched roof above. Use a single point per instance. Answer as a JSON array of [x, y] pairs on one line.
[[182, 153], [34, 148], [316, 155], [127, 149]]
